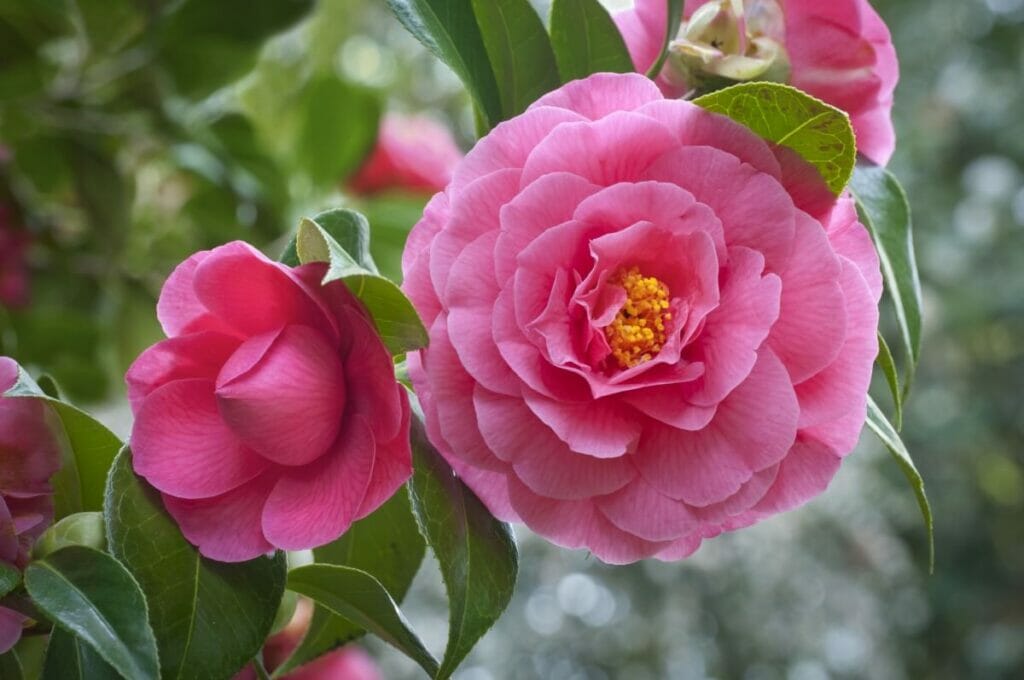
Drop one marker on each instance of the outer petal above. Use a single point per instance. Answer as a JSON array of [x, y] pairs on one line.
[[315, 504], [11, 624], [602, 94], [392, 464], [178, 309], [227, 527], [182, 446], [805, 473], [752, 430], [641, 510], [196, 355]]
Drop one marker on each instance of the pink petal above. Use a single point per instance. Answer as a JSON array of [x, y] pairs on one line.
[[598, 428], [508, 145], [184, 448], [226, 528], [11, 625], [804, 473], [253, 295], [669, 404], [618, 148], [602, 94], [370, 378], [541, 460], [179, 310], [196, 355], [811, 324], [29, 449], [639, 509], [752, 430], [283, 394], [392, 464], [315, 504], [850, 239], [8, 373], [642, 44]]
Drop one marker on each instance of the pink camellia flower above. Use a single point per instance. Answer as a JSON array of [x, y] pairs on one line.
[[639, 335], [29, 456], [14, 275], [413, 153], [348, 663], [839, 51], [271, 417]]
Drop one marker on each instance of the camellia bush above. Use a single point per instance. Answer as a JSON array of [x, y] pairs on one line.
[[641, 311]]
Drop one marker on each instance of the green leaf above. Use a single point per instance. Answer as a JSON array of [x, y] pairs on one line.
[[10, 578], [82, 528], [338, 128], [586, 40], [675, 18], [361, 599], [388, 546], [784, 115], [396, 319], [449, 29], [476, 552], [349, 241], [67, 658], [884, 210], [519, 50], [880, 425], [80, 482], [90, 594], [210, 618], [10, 666], [886, 362]]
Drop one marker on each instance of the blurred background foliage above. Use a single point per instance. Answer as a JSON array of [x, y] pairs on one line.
[[135, 132]]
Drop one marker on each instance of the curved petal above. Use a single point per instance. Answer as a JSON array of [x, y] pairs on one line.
[[225, 528], [313, 505], [804, 473], [370, 378], [602, 94], [600, 428], [287, 403], [196, 355], [392, 464], [183, 447], [178, 309], [641, 510], [11, 625]]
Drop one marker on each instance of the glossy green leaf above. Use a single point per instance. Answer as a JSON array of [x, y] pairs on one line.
[[586, 40], [210, 618], [675, 18], [81, 528], [886, 362], [10, 578], [80, 482], [360, 598], [476, 552], [884, 210], [348, 246], [90, 594], [821, 134], [10, 666], [388, 546], [881, 426], [396, 319], [67, 658], [449, 29], [519, 50]]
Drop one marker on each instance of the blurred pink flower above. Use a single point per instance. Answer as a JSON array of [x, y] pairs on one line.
[[348, 663], [271, 417], [29, 456], [646, 326], [838, 50], [14, 274], [413, 153]]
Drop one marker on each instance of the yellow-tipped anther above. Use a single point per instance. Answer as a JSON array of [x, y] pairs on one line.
[[637, 333]]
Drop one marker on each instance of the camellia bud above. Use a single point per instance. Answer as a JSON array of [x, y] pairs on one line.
[[729, 41]]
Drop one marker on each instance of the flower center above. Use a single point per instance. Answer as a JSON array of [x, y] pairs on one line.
[[637, 333]]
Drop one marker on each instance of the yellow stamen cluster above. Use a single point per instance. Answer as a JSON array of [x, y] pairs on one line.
[[638, 332]]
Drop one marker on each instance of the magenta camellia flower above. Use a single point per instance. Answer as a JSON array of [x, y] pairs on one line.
[[413, 153], [837, 50], [271, 417], [29, 456], [639, 335]]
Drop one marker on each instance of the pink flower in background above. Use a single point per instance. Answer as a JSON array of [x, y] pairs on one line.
[[348, 663], [14, 274], [271, 417], [29, 456], [643, 331], [837, 50], [413, 153]]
